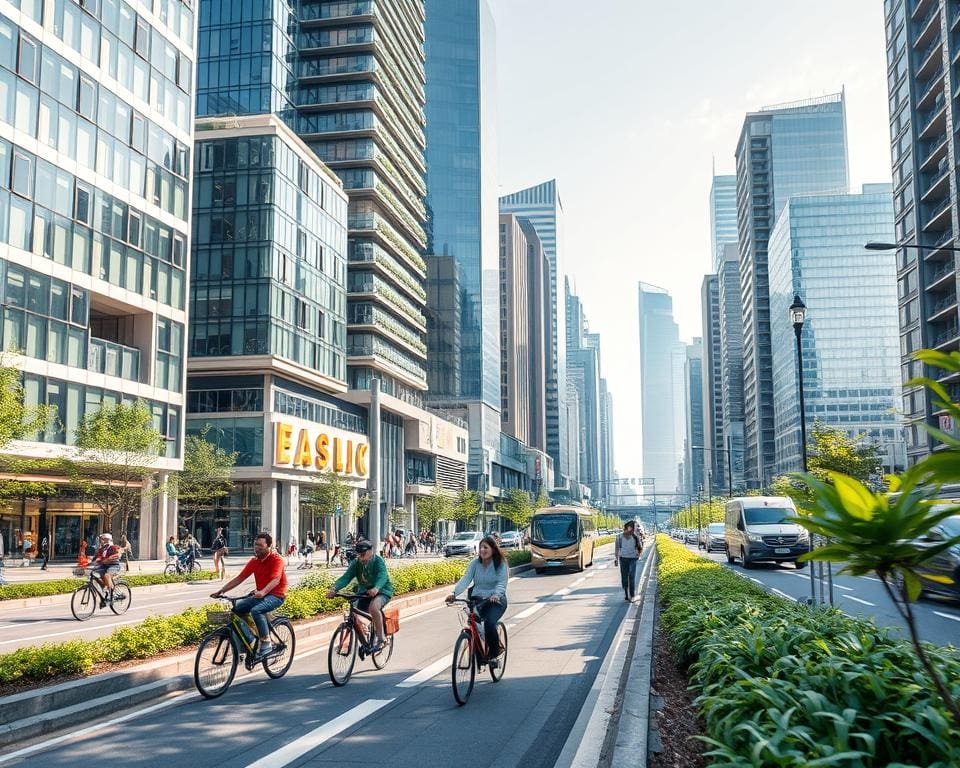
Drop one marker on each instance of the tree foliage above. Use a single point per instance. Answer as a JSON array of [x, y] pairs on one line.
[[466, 506], [434, 507], [517, 508], [206, 472], [117, 449], [17, 422], [326, 493], [694, 515]]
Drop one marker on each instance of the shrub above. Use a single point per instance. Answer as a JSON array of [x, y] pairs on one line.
[[782, 685], [517, 557], [66, 586], [601, 540]]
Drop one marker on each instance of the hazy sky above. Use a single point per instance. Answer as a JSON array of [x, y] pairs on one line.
[[629, 102]]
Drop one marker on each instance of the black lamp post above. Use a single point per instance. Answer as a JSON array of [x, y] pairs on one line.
[[798, 313]]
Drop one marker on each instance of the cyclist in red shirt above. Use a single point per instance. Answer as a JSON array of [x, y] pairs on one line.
[[267, 569]]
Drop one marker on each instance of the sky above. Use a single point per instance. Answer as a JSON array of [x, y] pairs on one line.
[[629, 104]]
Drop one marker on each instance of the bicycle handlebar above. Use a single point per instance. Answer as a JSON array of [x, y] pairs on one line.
[[233, 600]]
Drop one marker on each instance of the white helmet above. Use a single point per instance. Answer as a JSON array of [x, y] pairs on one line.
[[107, 536]]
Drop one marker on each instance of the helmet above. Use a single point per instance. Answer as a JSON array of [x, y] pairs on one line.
[[107, 536], [362, 545]]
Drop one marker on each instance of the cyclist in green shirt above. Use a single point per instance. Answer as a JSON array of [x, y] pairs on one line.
[[370, 572]]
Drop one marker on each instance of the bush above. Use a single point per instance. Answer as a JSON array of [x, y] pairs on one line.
[[601, 540], [517, 557], [66, 586], [782, 685]]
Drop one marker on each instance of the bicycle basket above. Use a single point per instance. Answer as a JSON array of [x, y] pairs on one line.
[[391, 620], [217, 618], [78, 571]]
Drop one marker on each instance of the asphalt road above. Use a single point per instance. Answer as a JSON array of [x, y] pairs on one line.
[[560, 626], [938, 619], [40, 624]]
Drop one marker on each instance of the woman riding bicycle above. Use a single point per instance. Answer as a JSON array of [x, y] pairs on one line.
[[488, 574], [370, 571]]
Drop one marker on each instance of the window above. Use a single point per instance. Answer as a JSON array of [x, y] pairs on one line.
[[87, 97], [81, 207], [301, 314], [78, 306], [28, 59], [138, 132], [22, 180], [142, 40]]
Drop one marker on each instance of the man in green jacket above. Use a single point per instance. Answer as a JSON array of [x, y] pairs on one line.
[[370, 572]]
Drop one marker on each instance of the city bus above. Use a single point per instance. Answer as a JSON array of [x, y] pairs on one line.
[[562, 537]]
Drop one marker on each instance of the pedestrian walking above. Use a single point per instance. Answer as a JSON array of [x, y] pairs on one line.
[[626, 553], [220, 552], [26, 549], [126, 551], [45, 552], [2, 553]]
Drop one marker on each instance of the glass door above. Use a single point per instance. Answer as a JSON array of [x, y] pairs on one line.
[[66, 536]]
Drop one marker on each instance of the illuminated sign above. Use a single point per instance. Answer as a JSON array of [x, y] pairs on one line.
[[318, 449]]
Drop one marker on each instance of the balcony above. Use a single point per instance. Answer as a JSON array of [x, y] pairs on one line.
[[112, 359], [938, 278], [939, 218], [928, 89], [942, 309], [937, 151], [929, 58], [948, 338], [935, 252], [939, 183], [927, 28], [936, 121], [921, 5]]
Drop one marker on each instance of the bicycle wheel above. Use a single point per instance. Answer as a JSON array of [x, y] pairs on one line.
[[195, 567], [83, 604], [464, 669], [170, 570], [284, 642], [497, 673], [342, 654], [382, 657], [216, 663], [121, 598]]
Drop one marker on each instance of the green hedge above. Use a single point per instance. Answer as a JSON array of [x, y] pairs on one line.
[[66, 586], [782, 685], [157, 634], [601, 540]]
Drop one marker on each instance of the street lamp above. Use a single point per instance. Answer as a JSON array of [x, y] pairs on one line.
[[798, 313]]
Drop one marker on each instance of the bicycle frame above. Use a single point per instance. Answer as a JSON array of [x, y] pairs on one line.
[[361, 621], [478, 643]]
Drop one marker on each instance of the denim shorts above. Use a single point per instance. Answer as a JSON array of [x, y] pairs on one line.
[[102, 569]]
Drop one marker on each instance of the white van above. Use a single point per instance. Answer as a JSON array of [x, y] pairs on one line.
[[756, 529]]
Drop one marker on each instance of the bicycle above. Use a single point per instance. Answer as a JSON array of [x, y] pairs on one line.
[[354, 637], [179, 567], [470, 650], [221, 650], [85, 598]]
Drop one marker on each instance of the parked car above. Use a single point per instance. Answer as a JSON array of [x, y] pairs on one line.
[[511, 540], [758, 528], [463, 544], [690, 536], [712, 537], [947, 563]]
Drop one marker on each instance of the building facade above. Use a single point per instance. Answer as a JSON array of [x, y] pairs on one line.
[[850, 337], [660, 385], [542, 207], [723, 215], [786, 150], [921, 48], [540, 339], [516, 360], [95, 156], [731, 365], [695, 465], [712, 386], [608, 471]]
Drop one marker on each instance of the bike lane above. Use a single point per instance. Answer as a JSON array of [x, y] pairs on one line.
[[559, 624]]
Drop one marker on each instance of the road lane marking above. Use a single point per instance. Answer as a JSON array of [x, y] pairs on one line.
[[530, 611], [782, 594], [754, 578], [801, 575], [947, 615], [319, 736], [513, 578], [857, 599], [564, 591], [427, 673], [873, 578], [70, 632], [840, 586]]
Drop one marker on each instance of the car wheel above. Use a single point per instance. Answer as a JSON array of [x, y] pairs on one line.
[[743, 556], [730, 558], [799, 565]]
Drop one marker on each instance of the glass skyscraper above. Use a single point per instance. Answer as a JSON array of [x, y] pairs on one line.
[[786, 150], [542, 207], [922, 47], [850, 337], [723, 215], [95, 157], [694, 457]]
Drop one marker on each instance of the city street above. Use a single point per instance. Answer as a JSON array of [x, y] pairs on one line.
[[21, 626], [560, 626], [937, 618]]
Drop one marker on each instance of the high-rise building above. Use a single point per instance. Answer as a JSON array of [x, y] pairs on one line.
[[661, 383], [731, 366], [786, 150], [850, 342], [608, 466], [723, 215], [921, 48], [693, 458], [349, 78], [712, 386], [542, 207], [96, 152], [583, 372], [515, 337], [538, 302]]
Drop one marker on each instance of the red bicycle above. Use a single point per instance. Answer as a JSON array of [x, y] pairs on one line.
[[470, 650]]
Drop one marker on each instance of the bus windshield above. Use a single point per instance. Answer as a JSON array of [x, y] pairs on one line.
[[768, 515], [558, 530]]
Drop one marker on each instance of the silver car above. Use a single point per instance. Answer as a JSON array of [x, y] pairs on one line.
[[511, 540], [712, 537], [463, 544], [947, 563]]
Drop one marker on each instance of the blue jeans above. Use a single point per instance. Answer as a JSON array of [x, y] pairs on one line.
[[257, 608], [491, 613], [628, 575]]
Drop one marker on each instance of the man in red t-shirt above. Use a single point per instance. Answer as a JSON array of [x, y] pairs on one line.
[[267, 569], [106, 564]]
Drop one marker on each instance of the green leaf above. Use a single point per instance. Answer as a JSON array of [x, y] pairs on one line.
[[857, 500], [912, 585]]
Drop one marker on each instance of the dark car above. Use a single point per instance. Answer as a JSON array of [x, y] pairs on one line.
[[947, 563]]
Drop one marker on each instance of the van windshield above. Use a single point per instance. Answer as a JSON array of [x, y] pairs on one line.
[[559, 530], [715, 528], [767, 515]]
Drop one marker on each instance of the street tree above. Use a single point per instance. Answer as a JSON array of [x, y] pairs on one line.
[[327, 495], [17, 422], [205, 476], [466, 506], [117, 450], [433, 508], [517, 508]]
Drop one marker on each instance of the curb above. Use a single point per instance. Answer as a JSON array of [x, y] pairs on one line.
[[37, 712], [64, 597]]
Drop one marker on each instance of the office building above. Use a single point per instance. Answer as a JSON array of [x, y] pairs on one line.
[[850, 338], [786, 150], [515, 337], [921, 48], [540, 340], [583, 372], [661, 384], [96, 152], [541, 205], [608, 471], [723, 215], [712, 386], [731, 366], [693, 457]]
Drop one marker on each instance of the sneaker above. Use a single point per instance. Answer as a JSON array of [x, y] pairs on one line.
[[493, 663], [266, 648]]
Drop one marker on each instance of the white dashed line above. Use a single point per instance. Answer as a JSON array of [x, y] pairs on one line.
[[530, 611], [782, 594], [426, 674], [947, 615], [857, 599]]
